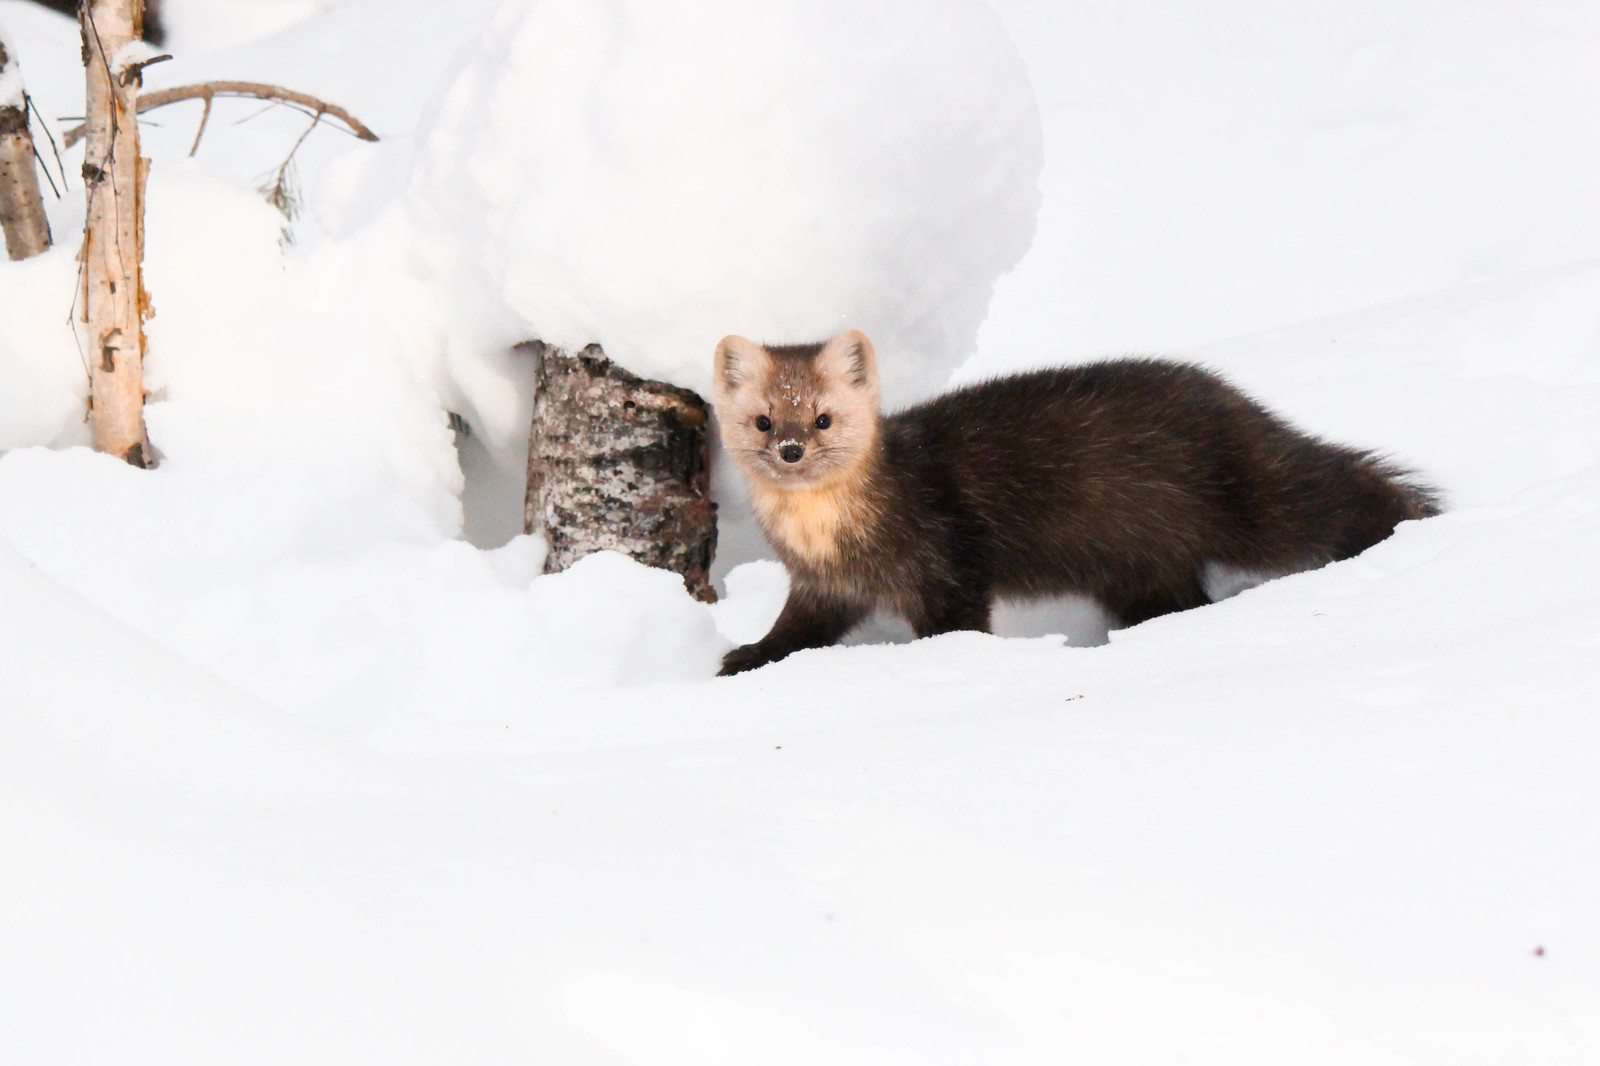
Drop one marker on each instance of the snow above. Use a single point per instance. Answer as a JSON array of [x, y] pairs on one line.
[[208, 26], [135, 54], [43, 382], [653, 175], [1260, 164], [11, 87], [289, 771]]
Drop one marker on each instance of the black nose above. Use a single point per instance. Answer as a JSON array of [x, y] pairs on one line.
[[791, 453]]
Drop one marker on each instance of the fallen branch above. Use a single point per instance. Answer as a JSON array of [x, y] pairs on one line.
[[257, 90]]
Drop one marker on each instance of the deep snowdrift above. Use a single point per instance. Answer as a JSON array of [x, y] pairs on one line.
[[654, 175]]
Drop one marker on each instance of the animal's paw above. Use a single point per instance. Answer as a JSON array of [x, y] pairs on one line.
[[745, 658]]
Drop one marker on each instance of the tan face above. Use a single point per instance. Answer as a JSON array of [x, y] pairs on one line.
[[797, 416]]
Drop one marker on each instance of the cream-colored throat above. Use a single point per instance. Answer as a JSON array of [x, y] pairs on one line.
[[811, 522]]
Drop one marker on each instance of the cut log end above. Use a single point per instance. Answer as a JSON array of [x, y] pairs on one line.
[[617, 462]]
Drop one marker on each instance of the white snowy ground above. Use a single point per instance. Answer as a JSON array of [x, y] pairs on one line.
[[289, 772]]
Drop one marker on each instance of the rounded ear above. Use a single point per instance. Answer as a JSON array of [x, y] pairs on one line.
[[735, 365], [849, 358]]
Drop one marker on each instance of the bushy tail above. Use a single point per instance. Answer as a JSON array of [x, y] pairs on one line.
[[1417, 498], [1377, 496]]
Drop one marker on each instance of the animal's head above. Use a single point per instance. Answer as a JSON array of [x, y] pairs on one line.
[[797, 415]]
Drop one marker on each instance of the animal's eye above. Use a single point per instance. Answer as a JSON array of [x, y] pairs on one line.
[[823, 421], [763, 423]]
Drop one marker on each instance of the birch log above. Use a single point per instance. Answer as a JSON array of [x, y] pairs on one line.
[[619, 462], [22, 219], [115, 304]]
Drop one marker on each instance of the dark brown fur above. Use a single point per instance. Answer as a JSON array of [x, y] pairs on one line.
[[1122, 480]]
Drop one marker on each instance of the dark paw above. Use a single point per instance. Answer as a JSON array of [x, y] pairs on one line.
[[745, 658]]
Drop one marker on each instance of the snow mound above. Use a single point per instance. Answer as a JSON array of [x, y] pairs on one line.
[[43, 379], [382, 641], [304, 419], [653, 175], [297, 538]]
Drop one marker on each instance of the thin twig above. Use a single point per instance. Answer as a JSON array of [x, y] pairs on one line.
[[252, 89], [108, 169], [44, 167], [258, 112], [309, 112], [302, 140], [51, 137], [279, 191], [201, 131], [72, 315]]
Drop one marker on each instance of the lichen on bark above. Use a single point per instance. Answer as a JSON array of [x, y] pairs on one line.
[[619, 462]]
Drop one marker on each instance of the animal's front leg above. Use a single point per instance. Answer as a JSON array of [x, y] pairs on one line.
[[809, 620]]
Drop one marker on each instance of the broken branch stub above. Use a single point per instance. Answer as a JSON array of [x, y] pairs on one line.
[[618, 462]]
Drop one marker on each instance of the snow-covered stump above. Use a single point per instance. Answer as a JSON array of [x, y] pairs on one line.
[[22, 218], [619, 462]]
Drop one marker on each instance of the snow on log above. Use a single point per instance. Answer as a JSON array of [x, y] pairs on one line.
[[617, 462], [22, 218]]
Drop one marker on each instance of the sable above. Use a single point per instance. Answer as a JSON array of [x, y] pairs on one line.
[[1134, 481]]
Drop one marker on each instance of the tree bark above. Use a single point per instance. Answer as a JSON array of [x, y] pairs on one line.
[[115, 303], [619, 462], [22, 218]]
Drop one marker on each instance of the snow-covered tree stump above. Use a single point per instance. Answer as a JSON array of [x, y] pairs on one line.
[[22, 219], [619, 462]]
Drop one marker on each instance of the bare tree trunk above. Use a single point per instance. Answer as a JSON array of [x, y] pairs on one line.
[[619, 462], [115, 304], [22, 219]]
